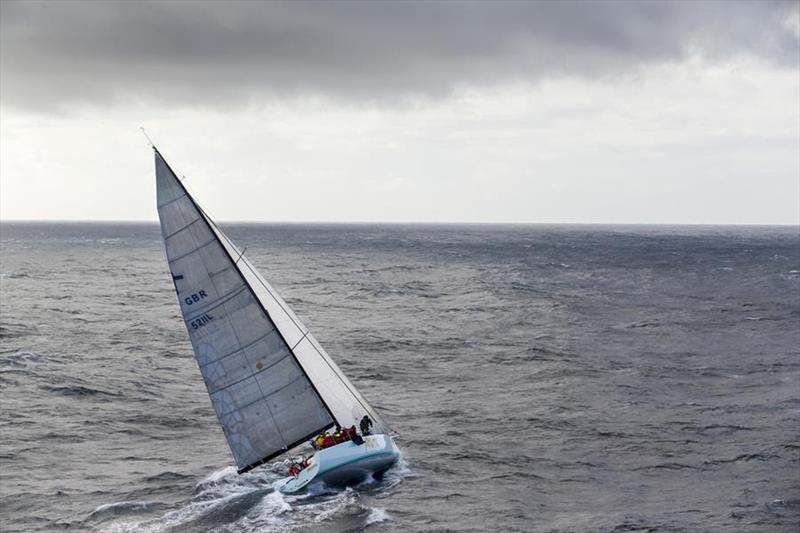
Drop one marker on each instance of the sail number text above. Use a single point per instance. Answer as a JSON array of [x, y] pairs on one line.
[[201, 321]]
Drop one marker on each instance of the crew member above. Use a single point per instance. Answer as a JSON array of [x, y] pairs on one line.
[[365, 425]]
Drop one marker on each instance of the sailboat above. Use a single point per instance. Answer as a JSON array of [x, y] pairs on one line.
[[272, 386]]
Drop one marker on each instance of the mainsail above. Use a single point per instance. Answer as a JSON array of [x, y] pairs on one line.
[[270, 382]]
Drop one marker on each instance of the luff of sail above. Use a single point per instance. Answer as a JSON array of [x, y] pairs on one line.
[[271, 384]]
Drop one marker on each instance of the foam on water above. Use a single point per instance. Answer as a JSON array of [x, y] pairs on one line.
[[217, 498], [226, 501], [376, 516], [112, 509], [19, 361]]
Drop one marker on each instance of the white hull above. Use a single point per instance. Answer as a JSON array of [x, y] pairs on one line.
[[344, 464]]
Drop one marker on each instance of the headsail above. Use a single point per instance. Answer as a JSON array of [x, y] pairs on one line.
[[270, 382], [342, 398]]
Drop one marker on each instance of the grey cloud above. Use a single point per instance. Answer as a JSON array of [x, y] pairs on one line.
[[53, 54]]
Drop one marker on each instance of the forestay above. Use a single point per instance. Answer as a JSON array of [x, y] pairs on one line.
[[270, 382]]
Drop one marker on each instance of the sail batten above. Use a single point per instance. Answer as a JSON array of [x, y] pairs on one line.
[[271, 384]]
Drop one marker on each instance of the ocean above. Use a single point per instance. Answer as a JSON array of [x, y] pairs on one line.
[[540, 378]]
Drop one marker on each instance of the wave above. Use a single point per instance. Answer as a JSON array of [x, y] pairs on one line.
[[79, 390], [666, 466], [644, 324], [166, 476], [16, 329], [360, 272], [19, 361], [162, 420], [377, 344], [15, 275], [724, 428], [123, 508], [745, 457], [376, 516]]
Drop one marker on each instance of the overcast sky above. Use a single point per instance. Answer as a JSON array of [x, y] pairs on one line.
[[678, 112]]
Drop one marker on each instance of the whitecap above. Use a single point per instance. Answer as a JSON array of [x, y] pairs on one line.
[[21, 360], [126, 506], [215, 477], [376, 516]]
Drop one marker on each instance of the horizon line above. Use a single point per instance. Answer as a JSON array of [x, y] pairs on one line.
[[401, 222]]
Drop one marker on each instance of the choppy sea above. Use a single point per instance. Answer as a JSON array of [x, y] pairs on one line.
[[541, 378]]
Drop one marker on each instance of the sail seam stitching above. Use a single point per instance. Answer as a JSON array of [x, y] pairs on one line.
[[165, 204], [252, 375], [191, 252], [263, 398], [236, 351], [217, 273], [181, 229]]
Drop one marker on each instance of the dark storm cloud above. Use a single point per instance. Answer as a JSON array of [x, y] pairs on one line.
[[56, 53]]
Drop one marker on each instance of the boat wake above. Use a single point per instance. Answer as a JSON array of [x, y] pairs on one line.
[[225, 501]]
